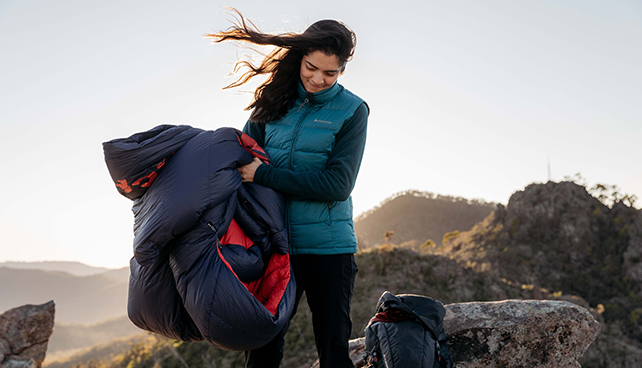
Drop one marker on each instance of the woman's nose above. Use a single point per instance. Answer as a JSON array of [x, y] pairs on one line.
[[317, 78]]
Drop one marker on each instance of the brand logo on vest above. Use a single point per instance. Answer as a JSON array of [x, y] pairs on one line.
[[322, 121]]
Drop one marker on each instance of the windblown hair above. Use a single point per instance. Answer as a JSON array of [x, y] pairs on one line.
[[277, 94]]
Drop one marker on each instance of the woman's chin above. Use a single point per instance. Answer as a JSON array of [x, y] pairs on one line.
[[313, 89]]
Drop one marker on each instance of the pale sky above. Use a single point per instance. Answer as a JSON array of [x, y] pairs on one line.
[[468, 98]]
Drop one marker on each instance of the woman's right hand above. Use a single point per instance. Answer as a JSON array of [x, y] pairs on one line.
[[247, 171]]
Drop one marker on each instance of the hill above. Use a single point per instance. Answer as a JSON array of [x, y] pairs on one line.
[[416, 216], [559, 237], [74, 268], [107, 352], [552, 241], [119, 274], [87, 299], [67, 338]]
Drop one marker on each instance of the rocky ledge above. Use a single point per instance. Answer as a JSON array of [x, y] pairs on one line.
[[24, 334], [512, 333]]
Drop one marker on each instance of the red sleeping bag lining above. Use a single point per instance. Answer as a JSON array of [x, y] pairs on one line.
[[268, 289]]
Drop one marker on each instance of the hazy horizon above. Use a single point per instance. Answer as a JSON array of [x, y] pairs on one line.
[[467, 98]]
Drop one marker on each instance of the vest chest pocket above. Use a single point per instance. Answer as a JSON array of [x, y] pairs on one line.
[[315, 139], [312, 148]]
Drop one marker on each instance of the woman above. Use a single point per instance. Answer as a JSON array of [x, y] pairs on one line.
[[315, 131]]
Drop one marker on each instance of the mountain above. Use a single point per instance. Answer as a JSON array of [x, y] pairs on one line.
[[551, 241], [87, 299], [74, 268], [559, 237], [416, 216], [112, 352], [119, 274], [67, 337]]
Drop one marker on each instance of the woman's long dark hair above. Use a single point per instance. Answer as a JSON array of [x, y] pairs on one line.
[[275, 96]]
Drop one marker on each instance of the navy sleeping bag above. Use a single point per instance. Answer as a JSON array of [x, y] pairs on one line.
[[210, 252]]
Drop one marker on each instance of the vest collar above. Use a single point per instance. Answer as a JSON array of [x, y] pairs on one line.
[[320, 97]]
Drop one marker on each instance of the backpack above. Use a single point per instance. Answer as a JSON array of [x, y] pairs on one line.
[[407, 331]]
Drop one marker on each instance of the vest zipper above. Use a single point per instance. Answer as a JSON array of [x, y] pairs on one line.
[[296, 132], [304, 102], [291, 161]]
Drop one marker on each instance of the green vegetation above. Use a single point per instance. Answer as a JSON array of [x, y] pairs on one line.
[[559, 237], [450, 236], [427, 246], [552, 241], [387, 236]]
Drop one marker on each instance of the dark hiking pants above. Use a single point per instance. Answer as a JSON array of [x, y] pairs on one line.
[[328, 282]]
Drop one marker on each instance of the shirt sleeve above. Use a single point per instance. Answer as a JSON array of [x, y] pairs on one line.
[[336, 181]]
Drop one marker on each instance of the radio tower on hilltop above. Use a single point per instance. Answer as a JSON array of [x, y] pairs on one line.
[[548, 159]]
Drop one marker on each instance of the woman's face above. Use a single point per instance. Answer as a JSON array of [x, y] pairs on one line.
[[319, 71]]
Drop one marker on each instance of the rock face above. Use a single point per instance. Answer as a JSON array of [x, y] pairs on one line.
[[517, 333], [24, 334], [557, 238], [560, 237], [512, 333]]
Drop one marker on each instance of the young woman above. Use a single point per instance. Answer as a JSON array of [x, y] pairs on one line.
[[315, 132]]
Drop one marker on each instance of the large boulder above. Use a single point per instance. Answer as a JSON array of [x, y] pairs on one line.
[[519, 333], [512, 333], [24, 334]]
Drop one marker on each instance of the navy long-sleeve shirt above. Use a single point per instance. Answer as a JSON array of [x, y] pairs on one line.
[[336, 181]]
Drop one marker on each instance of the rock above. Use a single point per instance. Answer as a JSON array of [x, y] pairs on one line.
[[613, 350], [512, 333], [17, 362], [24, 334], [519, 333], [5, 349]]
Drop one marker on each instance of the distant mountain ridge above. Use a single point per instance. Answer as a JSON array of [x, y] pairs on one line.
[[87, 299], [417, 216], [74, 336], [72, 267]]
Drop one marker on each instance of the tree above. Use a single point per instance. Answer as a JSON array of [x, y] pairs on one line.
[[428, 245], [387, 236]]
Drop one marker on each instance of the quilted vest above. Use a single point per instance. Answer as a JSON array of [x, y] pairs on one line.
[[301, 141]]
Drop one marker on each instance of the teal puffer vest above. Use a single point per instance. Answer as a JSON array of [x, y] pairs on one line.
[[301, 141]]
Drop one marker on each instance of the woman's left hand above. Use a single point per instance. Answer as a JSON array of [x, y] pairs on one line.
[[247, 171]]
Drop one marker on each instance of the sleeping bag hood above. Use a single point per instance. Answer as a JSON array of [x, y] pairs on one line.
[[210, 252]]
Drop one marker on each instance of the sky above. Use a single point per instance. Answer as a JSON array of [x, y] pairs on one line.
[[468, 98]]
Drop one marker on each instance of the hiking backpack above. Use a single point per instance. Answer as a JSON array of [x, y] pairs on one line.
[[407, 331]]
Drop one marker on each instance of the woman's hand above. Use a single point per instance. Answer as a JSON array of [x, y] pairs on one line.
[[247, 171]]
